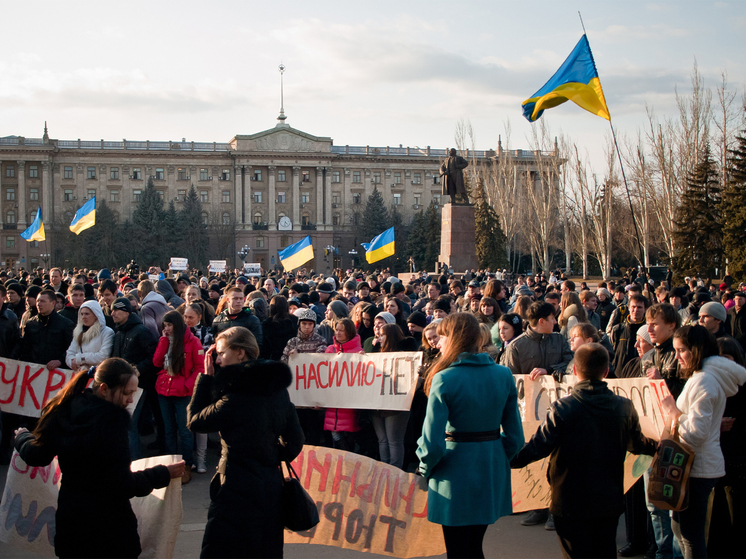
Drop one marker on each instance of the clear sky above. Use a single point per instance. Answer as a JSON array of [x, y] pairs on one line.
[[377, 73]]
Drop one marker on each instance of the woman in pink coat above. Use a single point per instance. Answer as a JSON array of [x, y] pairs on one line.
[[343, 422]]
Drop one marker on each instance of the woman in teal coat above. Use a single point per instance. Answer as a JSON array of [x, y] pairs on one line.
[[472, 430]]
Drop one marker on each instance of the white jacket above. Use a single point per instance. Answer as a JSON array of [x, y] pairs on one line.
[[96, 342], [702, 403]]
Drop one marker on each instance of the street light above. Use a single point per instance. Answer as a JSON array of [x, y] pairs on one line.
[[45, 258], [353, 255], [244, 252]]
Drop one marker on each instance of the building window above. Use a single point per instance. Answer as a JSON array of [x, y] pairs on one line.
[[32, 216], [137, 195], [436, 199], [160, 194], [305, 219], [280, 197], [376, 178], [397, 199], [257, 218], [180, 195], [10, 171], [68, 173], [91, 173], [33, 194], [336, 197], [137, 174], [397, 178], [203, 176], [356, 176], [436, 179], [336, 177], [113, 196], [356, 198], [10, 217], [205, 218], [91, 193], [416, 199], [33, 172], [159, 174], [68, 196], [34, 244], [114, 173], [181, 174], [10, 194], [305, 198], [257, 175], [226, 218], [257, 196], [10, 242], [417, 178], [226, 196], [281, 175], [356, 219], [306, 176], [226, 175], [204, 196], [260, 242], [284, 241], [335, 219]]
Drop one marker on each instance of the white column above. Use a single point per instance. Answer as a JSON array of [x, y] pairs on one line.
[[237, 192], [319, 198], [272, 197], [296, 199], [21, 196], [328, 216], [2, 215], [46, 188], [247, 196]]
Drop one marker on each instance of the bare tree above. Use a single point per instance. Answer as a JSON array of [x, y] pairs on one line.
[[728, 120]]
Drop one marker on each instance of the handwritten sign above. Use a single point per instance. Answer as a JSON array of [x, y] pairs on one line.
[[252, 269], [366, 505], [217, 266], [379, 381], [26, 387], [179, 263]]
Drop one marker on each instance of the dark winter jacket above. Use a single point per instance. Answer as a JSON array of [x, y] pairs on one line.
[[663, 356], [45, 339], [94, 517], [172, 299], [134, 343], [604, 311], [534, 350], [71, 313], [587, 435], [735, 325], [252, 413], [244, 318], [10, 333], [623, 338], [276, 335]]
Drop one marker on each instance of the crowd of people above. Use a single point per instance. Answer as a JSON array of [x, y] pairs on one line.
[[193, 341]]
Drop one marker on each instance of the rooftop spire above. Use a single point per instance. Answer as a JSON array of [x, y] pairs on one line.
[[282, 116], [45, 138]]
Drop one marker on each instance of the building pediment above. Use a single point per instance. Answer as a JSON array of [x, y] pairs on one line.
[[282, 138]]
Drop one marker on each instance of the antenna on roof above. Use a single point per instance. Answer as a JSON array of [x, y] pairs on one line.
[[282, 116]]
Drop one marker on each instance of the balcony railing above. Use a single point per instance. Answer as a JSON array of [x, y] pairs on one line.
[[260, 226], [308, 227]]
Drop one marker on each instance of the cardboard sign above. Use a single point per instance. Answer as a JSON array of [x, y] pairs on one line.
[[378, 381], [252, 269], [366, 505], [154, 278], [217, 266], [29, 505], [179, 263], [26, 387]]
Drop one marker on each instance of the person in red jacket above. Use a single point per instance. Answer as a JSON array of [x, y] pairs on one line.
[[343, 422], [180, 357]]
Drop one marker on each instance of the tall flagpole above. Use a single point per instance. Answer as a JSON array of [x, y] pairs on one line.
[[621, 166]]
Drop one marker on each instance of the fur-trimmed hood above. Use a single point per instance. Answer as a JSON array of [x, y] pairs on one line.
[[260, 376]]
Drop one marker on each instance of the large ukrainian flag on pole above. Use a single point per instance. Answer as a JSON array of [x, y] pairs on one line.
[[380, 247], [296, 255], [35, 232], [576, 81], [85, 217]]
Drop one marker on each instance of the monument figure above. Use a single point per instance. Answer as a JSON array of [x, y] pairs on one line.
[[452, 175]]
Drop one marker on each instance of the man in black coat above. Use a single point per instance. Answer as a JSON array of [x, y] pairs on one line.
[[10, 333], [587, 436], [15, 299], [236, 315], [735, 324], [47, 335]]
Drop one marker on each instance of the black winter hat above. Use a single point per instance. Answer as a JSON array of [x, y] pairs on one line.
[[418, 319]]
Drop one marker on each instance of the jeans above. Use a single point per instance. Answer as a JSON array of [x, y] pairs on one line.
[[668, 545], [174, 411], [689, 524], [135, 445], [390, 427]]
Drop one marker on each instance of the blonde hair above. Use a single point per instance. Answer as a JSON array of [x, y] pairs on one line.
[[238, 337], [462, 331]]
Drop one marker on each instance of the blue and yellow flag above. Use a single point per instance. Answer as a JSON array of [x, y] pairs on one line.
[[85, 217], [576, 81], [380, 247], [35, 232], [297, 254]]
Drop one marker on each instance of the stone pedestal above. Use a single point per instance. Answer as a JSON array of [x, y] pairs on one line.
[[458, 247]]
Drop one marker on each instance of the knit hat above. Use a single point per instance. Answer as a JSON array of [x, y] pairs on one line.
[[418, 319], [339, 309], [306, 314], [715, 310], [643, 333], [603, 291], [122, 304], [525, 290], [17, 287], [325, 287], [443, 305], [33, 291], [387, 317]]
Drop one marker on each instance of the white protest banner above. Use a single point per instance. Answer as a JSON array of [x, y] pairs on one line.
[[252, 269], [217, 266], [179, 263], [154, 277], [366, 505], [29, 505], [26, 387], [377, 381]]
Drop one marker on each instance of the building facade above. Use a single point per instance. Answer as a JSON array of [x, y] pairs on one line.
[[269, 189]]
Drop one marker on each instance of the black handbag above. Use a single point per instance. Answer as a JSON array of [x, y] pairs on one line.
[[299, 512]]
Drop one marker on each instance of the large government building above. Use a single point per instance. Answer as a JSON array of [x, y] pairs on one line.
[[270, 188]]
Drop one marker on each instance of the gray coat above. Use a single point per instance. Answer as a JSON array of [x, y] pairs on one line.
[[534, 350]]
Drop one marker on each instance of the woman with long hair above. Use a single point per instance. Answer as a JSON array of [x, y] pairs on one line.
[[699, 413], [572, 313], [496, 290], [367, 316], [92, 338], [180, 357], [470, 401], [87, 429], [485, 342], [509, 327], [246, 400], [277, 329], [489, 312], [335, 311], [521, 306], [395, 307], [193, 294]]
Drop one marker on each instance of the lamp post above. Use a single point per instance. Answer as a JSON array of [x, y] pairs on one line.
[[45, 258], [353, 256], [244, 253]]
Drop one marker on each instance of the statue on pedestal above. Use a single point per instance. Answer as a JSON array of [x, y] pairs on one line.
[[452, 175]]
